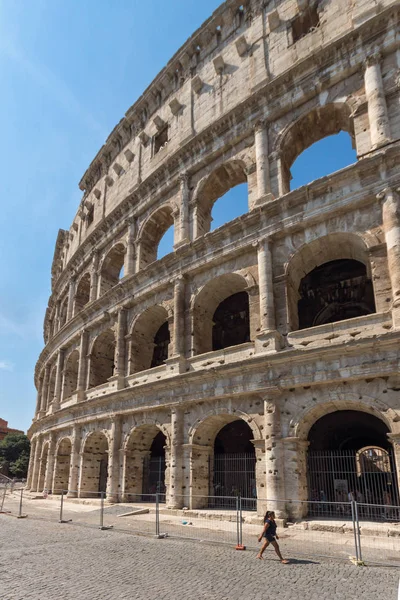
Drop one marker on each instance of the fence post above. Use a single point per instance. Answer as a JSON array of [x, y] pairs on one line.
[[358, 531], [20, 515], [240, 521], [102, 526], [62, 509], [157, 515], [237, 522], [353, 518]]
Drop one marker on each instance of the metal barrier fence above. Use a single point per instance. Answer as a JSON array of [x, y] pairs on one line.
[[348, 533]]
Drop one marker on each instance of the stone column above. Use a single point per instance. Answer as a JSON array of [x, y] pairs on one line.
[[295, 452], [48, 478], [71, 298], [175, 484], [199, 474], [179, 317], [31, 464], [262, 160], [377, 108], [82, 366], [184, 234], [59, 379], [269, 339], [75, 461], [391, 227], [395, 441], [119, 361], [45, 390], [94, 277], [38, 398], [36, 464], [122, 473], [275, 484], [113, 460], [130, 256]]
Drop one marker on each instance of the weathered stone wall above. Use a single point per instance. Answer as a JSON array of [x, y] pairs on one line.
[[239, 102]]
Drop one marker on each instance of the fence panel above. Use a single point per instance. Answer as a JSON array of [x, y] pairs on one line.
[[379, 535]]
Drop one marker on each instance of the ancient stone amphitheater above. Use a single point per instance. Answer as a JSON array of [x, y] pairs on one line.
[[253, 357]]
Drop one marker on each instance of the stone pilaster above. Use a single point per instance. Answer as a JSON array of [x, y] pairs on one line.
[[119, 361], [59, 379], [175, 484], [45, 390], [395, 441], [377, 108], [262, 159], [295, 452], [71, 298], [269, 340], [179, 317], [48, 479], [113, 460], [184, 234], [74, 465], [274, 459], [199, 474], [130, 256], [82, 366], [391, 227], [36, 464], [94, 278], [29, 478]]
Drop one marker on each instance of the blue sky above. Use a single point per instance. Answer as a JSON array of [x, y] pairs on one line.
[[69, 72]]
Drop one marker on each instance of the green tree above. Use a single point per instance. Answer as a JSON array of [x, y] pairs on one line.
[[14, 454]]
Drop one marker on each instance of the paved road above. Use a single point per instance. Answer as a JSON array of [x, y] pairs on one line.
[[41, 560]]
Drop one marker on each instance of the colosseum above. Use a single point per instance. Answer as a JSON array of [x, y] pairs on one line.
[[260, 358]]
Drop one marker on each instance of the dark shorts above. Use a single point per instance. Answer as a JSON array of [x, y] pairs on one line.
[[269, 537]]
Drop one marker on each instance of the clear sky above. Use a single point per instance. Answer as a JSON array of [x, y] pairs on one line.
[[69, 71]]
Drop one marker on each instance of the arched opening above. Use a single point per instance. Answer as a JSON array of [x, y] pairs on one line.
[[44, 459], [94, 466], [102, 359], [231, 322], [221, 305], [232, 468], [166, 244], [149, 340], [82, 295], [71, 374], [231, 205], [111, 268], [145, 464], [350, 456], [161, 344], [224, 179], [158, 225], [335, 291], [320, 123], [324, 157], [342, 256], [61, 467]]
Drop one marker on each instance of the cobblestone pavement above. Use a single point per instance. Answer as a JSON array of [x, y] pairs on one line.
[[45, 560]]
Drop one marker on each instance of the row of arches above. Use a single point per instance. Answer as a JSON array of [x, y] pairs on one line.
[[348, 452], [225, 312], [311, 141]]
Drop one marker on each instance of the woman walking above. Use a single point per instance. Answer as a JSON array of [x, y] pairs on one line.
[[269, 533]]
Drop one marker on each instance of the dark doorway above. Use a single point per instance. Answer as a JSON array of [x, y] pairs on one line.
[[232, 468], [335, 291], [103, 468], [231, 322], [350, 457], [161, 343], [154, 469]]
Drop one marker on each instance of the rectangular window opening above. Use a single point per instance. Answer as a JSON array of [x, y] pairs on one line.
[[306, 22], [161, 139]]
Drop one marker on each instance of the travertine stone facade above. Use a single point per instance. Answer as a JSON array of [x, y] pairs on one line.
[[129, 354]]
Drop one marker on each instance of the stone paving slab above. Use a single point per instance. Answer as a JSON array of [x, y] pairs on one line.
[[46, 560]]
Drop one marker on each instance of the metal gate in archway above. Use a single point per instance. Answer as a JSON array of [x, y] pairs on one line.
[[232, 475], [367, 476], [153, 478]]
